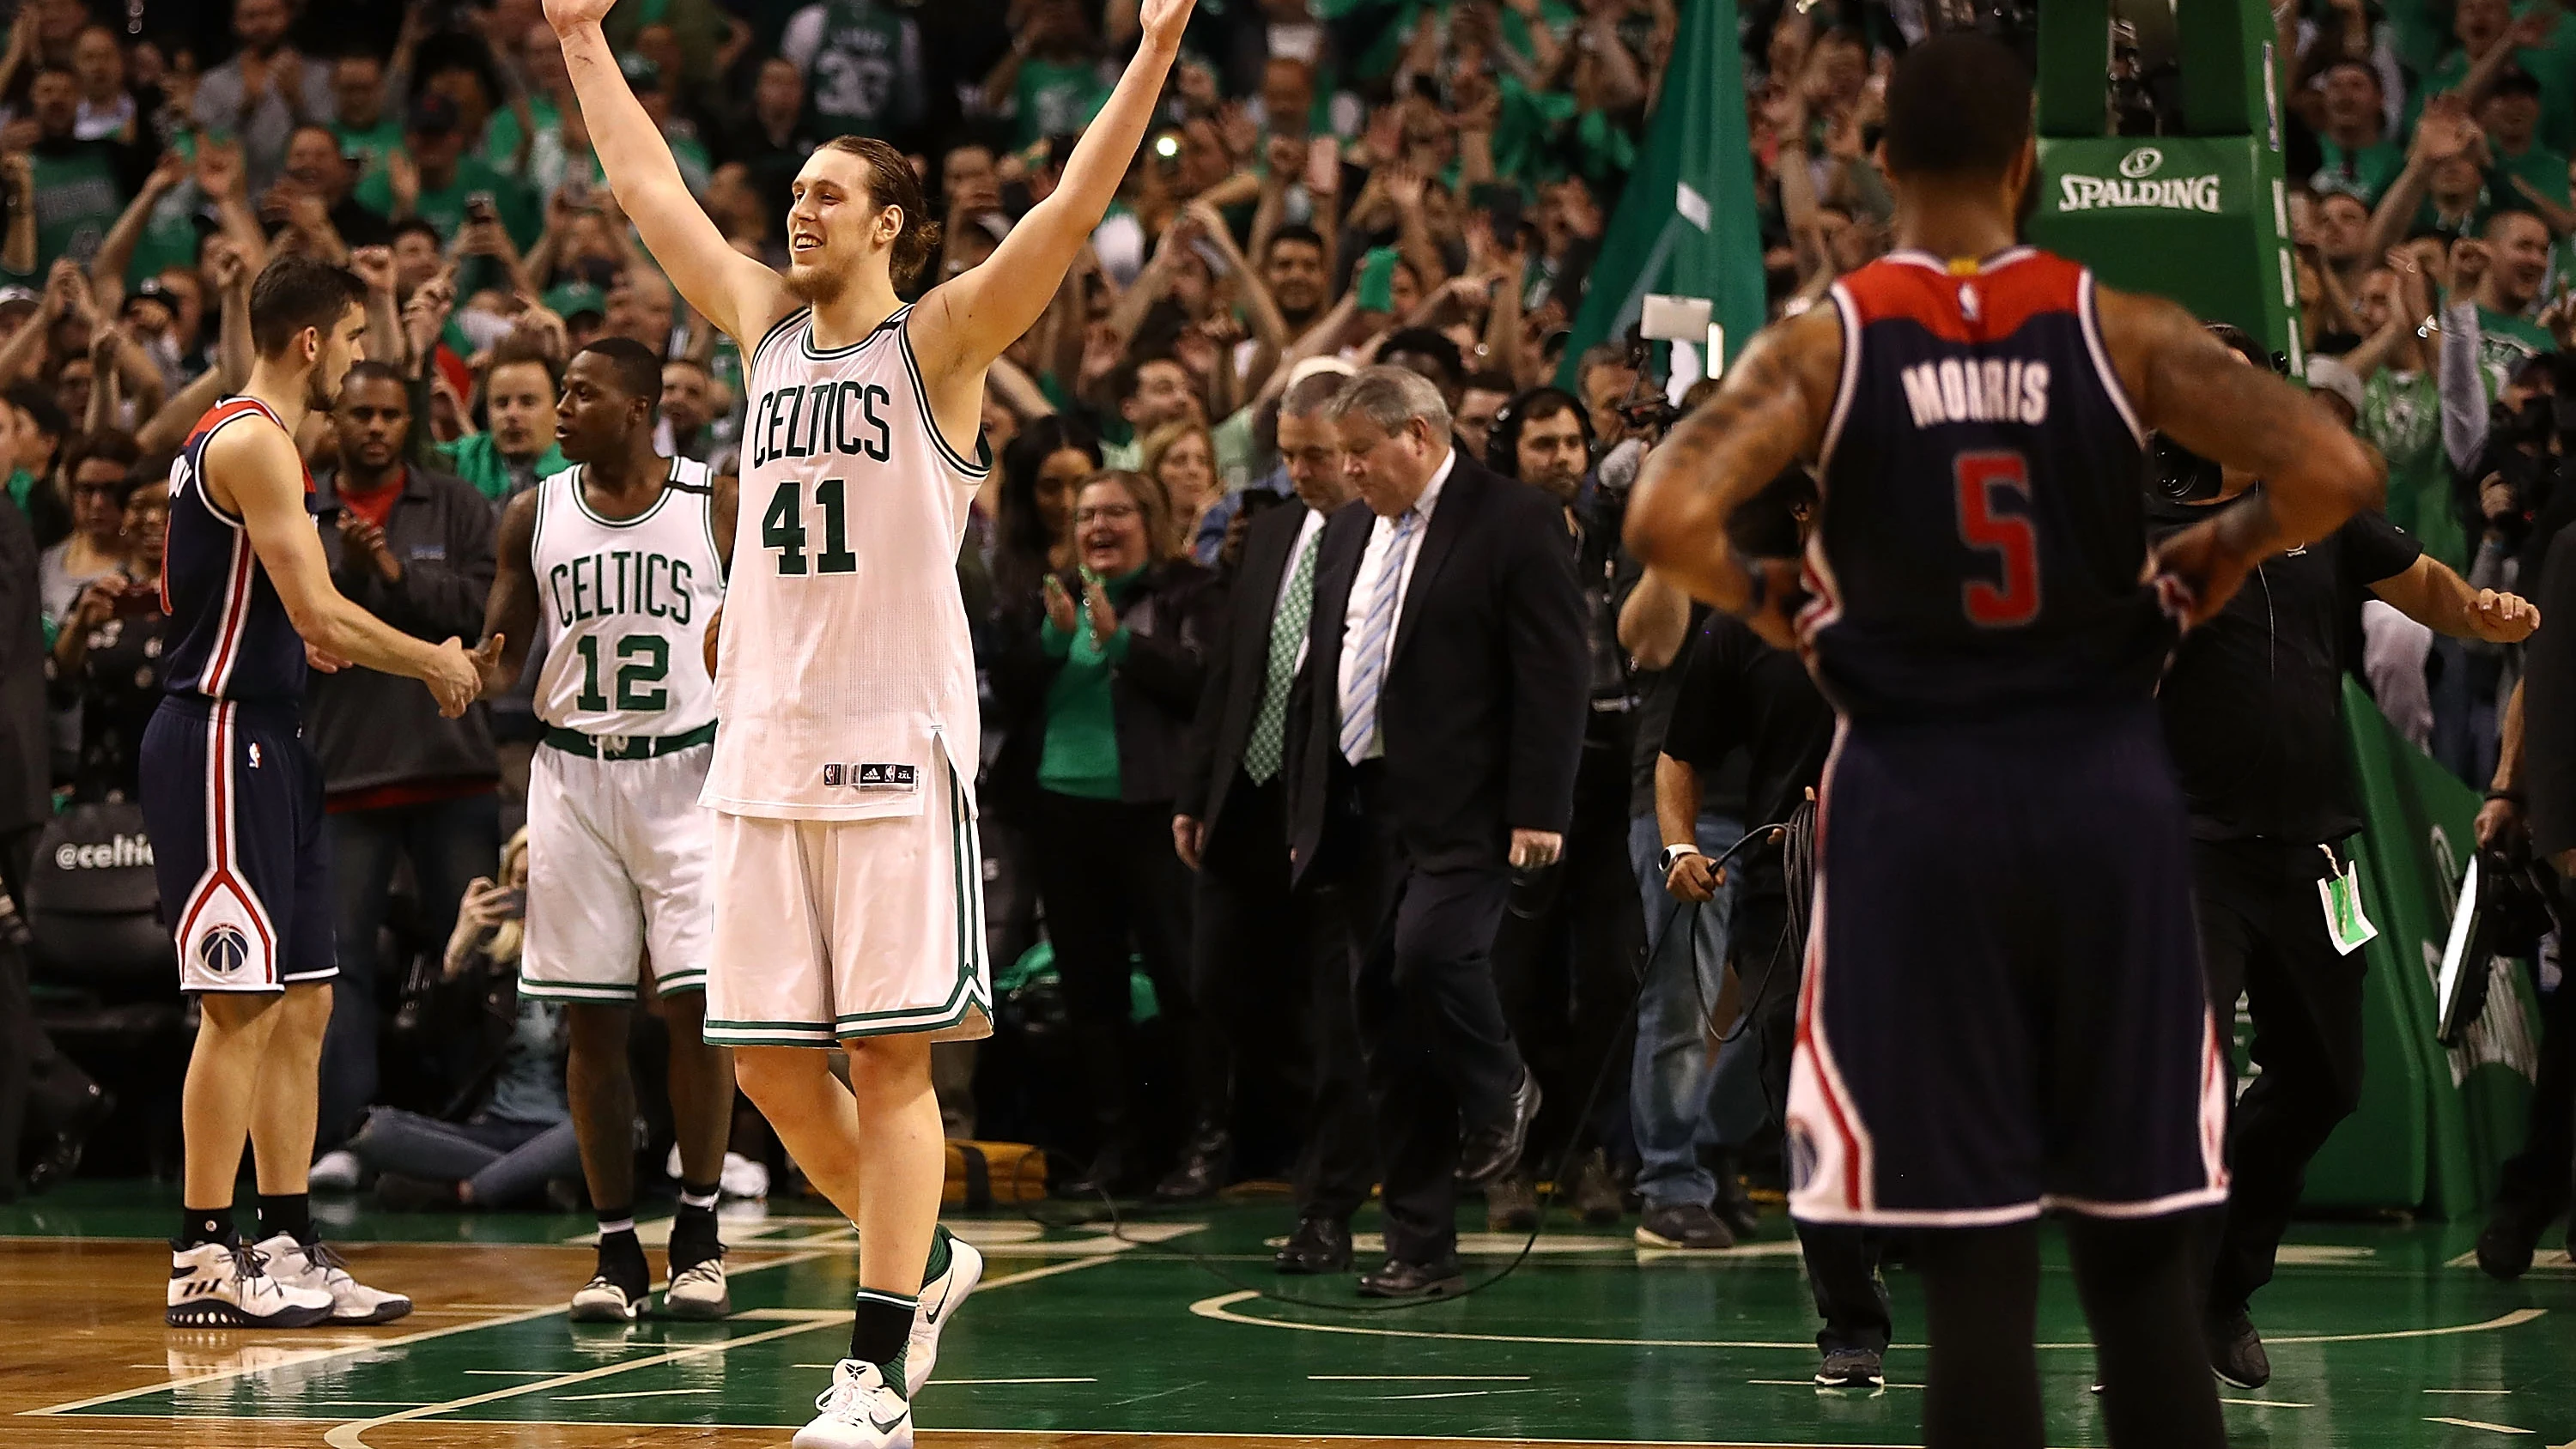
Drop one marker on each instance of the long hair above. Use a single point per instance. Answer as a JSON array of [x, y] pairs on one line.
[[1024, 550], [510, 936], [891, 182], [1152, 499], [1164, 439]]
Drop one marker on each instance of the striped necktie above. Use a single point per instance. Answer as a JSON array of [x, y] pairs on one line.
[[1263, 752], [1376, 642]]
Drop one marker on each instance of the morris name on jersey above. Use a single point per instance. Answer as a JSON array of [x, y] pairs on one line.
[[823, 417], [1957, 390], [620, 581]]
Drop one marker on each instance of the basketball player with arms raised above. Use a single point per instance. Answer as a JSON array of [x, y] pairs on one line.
[[846, 876], [232, 797], [2002, 1011]]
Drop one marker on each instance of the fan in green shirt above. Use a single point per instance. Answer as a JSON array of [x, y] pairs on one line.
[[519, 405], [2552, 63], [2510, 116], [2359, 156], [450, 180], [1051, 78]]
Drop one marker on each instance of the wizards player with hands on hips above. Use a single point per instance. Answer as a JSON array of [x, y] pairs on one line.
[[232, 797], [2001, 1011], [847, 895]]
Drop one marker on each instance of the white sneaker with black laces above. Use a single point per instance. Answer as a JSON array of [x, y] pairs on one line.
[[315, 1266], [939, 1299], [605, 1300], [861, 1410], [218, 1285], [698, 1290]]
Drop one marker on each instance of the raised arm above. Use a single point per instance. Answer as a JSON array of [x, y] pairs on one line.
[[265, 479], [729, 289], [966, 321], [511, 611], [1768, 413]]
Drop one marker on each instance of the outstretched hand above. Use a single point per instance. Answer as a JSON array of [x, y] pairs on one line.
[[487, 663]]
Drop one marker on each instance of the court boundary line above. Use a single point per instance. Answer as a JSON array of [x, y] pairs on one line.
[[351, 1434], [1220, 1309], [372, 1345], [1285, 1436]]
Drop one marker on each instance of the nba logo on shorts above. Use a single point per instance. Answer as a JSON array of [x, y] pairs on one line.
[[223, 949], [832, 776]]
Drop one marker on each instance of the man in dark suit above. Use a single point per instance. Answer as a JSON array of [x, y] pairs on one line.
[[1440, 724], [1266, 955]]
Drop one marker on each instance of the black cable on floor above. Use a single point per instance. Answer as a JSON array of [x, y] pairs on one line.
[[1791, 833]]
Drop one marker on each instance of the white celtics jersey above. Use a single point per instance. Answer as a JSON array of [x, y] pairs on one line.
[[626, 603], [845, 665]]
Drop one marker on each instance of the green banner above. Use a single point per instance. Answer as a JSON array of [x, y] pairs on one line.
[[2434, 1122], [1686, 225]]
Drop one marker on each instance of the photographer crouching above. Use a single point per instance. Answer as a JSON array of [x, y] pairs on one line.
[[2252, 712]]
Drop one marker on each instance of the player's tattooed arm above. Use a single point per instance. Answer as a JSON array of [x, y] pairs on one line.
[[2188, 385], [2191, 387], [1768, 414], [510, 613]]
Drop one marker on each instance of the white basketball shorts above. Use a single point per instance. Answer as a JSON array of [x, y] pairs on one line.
[[832, 929], [618, 854]]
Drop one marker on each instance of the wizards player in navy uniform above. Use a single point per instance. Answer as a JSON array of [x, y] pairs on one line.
[[2002, 1009], [233, 800]]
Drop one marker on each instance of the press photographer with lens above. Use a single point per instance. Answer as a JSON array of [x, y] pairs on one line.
[[2252, 708]]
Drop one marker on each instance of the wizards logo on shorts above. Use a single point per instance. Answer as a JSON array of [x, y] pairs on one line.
[[223, 950]]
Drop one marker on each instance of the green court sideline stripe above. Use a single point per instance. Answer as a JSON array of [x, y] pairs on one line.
[[352, 1435], [1221, 1307]]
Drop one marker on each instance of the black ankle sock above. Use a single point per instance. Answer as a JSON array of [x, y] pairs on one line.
[[287, 1212], [621, 1257], [200, 1226], [693, 1231], [880, 1326]]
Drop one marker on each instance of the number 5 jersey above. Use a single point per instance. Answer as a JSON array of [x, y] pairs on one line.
[[1983, 523]]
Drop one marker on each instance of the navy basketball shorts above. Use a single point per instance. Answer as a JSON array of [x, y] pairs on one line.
[[233, 800], [2002, 1009]]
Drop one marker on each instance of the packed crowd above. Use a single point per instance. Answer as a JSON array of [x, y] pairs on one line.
[[1328, 185]]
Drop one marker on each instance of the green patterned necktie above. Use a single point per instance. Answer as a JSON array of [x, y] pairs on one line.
[[1261, 753]]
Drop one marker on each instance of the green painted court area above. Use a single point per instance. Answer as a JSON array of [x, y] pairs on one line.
[[2380, 1336]]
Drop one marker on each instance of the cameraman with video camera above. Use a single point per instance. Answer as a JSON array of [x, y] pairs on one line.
[[2252, 707]]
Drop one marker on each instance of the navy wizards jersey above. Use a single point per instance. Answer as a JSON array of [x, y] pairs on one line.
[[229, 634], [1982, 528]]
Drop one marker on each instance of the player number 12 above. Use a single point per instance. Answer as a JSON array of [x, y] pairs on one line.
[[782, 528]]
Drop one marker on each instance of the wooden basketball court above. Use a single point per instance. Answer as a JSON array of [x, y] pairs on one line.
[[1083, 1335]]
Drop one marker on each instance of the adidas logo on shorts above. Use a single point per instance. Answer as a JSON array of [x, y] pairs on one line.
[[872, 777]]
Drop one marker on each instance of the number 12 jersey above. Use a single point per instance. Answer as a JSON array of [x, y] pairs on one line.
[[1983, 528], [625, 603], [846, 668]]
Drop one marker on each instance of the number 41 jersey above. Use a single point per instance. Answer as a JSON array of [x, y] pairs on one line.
[[1982, 530], [845, 666]]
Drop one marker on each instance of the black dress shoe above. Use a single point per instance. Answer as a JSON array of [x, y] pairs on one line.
[[1107, 1176], [1489, 1152], [1200, 1172], [1413, 1280], [1320, 1245], [73, 1122]]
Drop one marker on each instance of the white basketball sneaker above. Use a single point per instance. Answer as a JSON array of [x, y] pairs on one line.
[[859, 1411], [604, 1300], [939, 1299], [315, 1266], [698, 1290], [214, 1285]]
